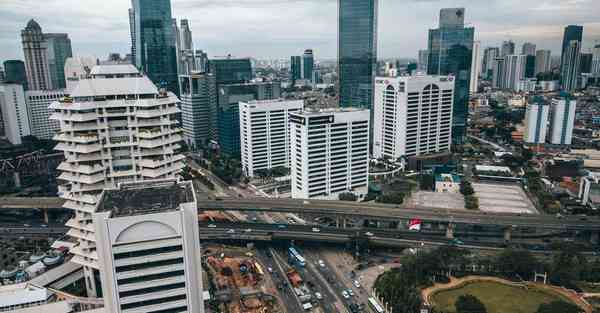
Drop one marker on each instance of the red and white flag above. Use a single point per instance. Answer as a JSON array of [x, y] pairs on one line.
[[415, 225]]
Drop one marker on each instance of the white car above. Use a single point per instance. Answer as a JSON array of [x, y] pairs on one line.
[[231, 231], [319, 296], [248, 230], [345, 294], [315, 230], [321, 263], [356, 284], [212, 226], [369, 234]]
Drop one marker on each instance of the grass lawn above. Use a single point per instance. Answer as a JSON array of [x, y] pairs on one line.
[[497, 298]]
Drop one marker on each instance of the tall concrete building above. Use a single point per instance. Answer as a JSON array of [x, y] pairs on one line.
[[514, 71], [585, 63], [413, 116], [155, 51], [35, 49], [78, 68], [536, 121], [148, 247], [357, 51], [423, 60], [14, 72], [308, 65], [330, 153], [475, 67], [571, 48], [115, 127], [562, 120], [198, 108], [265, 134], [59, 50], [543, 61], [508, 48], [487, 67], [498, 73], [296, 67], [14, 112], [528, 49], [185, 35], [132, 34], [38, 102], [595, 61], [451, 53]]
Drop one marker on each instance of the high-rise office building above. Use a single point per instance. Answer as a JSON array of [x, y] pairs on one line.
[[423, 59], [35, 49], [451, 53], [193, 61], [357, 51], [514, 71], [265, 134], [186, 35], [413, 115], [529, 66], [2, 75], [14, 72], [536, 121], [38, 102], [528, 49], [115, 127], [230, 70], [487, 67], [296, 67], [14, 112], [543, 61], [132, 35], [562, 120], [498, 73], [585, 62], [595, 61], [508, 48], [308, 64], [571, 48], [329, 153], [155, 52], [149, 248], [570, 66], [475, 68], [59, 49], [228, 114], [198, 108], [78, 68]]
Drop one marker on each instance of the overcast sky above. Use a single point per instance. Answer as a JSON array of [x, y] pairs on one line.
[[280, 28]]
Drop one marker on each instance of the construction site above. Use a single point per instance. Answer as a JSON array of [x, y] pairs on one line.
[[238, 282]]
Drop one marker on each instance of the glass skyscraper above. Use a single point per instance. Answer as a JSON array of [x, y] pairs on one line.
[[570, 57], [308, 64], [357, 51], [296, 67], [450, 53], [59, 49], [155, 51], [14, 72]]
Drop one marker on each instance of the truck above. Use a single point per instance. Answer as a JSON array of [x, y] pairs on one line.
[[294, 277]]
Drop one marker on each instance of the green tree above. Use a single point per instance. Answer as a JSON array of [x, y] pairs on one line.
[[558, 307], [347, 196], [427, 182], [391, 198], [469, 304], [471, 203], [466, 188], [519, 263]]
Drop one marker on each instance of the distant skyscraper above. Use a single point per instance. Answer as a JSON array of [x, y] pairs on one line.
[[423, 59], [570, 66], [308, 64], [296, 67], [59, 49], [585, 63], [186, 35], [198, 108], [2, 75], [489, 55], [149, 248], [132, 35], [543, 61], [14, 112], [357, 51], [156, 52], [528, 49], [514, 71], [571, 47], [231, 70], [451, 53], [36, 58], [38, 102], [498, 72], [529, 66], [562, 120], [595, 61], [508, 48], [14, 72], [475, 67], [536, 121]]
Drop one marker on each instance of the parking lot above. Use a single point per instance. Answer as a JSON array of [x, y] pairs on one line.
[[503, 198]]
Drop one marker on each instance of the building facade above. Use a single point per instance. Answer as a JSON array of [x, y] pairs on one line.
[[413, 116], [514, 71], [508, 48], [265, 134], [423, 59], [198, 108], [528, 49], [14, 72], [149, 248], [78, 68], [59, 49], [36, 57], [308, 65], [329, 153], [115, 127], [498, 73], [595, 62], [296, 67], [357, 51], [487, 67], [451, 53], [543, 61], [536, 121], [562, 120], [571, 48], [14, 112], [475, 68], [38, 102]]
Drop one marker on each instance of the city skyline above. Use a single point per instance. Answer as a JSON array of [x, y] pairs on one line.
[[270, 28]]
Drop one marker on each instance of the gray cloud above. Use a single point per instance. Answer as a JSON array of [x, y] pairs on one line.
[[279, 28]]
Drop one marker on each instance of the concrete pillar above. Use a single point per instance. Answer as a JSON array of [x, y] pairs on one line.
[[337, 221], [507, 233], [450, 231], [344, 223], [45, 213], [594, 237], [17, 179]]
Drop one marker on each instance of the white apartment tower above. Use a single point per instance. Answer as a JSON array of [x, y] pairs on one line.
[[198, 108], [475, 67], [14, 113], [148, 247], [38, 102], [536, 121], [115, 127], [562, 120], [265, 133], [514, 71], [413, 115], [330, 153]]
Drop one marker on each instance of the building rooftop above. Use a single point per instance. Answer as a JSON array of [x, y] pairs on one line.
[[114, 69], [15, 295], [329, 111], [114, 87], [146, 198], [491, 168]]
